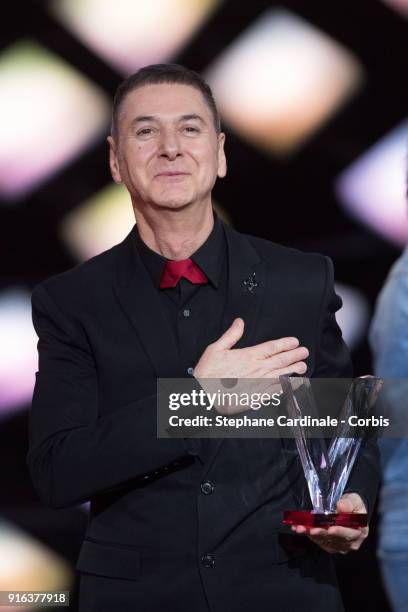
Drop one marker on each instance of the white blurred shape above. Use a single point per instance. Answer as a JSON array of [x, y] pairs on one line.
[[18, 350], [281, 79], [132, 33], [27, 564], [373, 189], [103, 221], [48, 114], [99, 223], [354, 315]]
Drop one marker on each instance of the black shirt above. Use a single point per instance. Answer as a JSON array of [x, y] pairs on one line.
[[194, 311]]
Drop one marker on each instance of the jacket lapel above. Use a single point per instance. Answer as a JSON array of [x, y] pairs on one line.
[[142, 305], [246, 284]]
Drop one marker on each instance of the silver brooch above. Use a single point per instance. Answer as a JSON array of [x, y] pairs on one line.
[[250, 284]]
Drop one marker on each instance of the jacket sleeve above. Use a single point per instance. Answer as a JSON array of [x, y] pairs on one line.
[[75, 454], [333, 361]]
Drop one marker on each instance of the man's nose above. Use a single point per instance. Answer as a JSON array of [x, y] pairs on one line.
[[169, 145]]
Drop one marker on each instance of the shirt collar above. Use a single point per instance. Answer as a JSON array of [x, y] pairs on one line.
[[208, 256]]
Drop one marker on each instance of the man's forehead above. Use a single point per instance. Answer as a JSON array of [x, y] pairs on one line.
[[164, 99]]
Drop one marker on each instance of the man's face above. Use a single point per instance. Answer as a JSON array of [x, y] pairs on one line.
[[168, 152]]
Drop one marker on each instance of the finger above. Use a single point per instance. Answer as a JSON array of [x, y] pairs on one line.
[[318, 531], [320, 538], [345, 505], [331, 544], [299, 528], [295, 368], [351, 502], [333, 534], [282, 360], [231, 336], [272, 347], [347, 533]]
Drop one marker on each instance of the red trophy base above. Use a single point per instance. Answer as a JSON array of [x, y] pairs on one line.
[[308, 518]]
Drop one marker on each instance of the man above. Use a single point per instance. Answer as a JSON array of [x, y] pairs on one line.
[[389, 342], [176, 525]]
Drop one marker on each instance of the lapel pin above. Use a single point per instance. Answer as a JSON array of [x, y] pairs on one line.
[[250, 284]]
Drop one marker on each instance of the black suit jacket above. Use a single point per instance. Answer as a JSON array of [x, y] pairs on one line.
[[157, 539]]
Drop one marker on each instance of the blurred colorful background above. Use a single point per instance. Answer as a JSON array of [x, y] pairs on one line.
[[313, 99]]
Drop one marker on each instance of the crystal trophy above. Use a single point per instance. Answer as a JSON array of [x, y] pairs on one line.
[[327, 466]]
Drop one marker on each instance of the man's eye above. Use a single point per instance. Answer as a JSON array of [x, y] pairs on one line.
[[191, 129], [144, 132]]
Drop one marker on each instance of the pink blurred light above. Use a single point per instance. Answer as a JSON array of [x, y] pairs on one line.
[[18, 350], [373, 189], [401, 6], [281, 79], [48, 114], [354, 315], [130, 34]]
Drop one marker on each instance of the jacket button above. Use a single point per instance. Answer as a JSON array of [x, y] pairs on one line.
[[208, 561], [207, 487]]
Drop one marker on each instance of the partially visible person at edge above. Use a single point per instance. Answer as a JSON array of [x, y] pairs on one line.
[[389, 343], [175, 524]]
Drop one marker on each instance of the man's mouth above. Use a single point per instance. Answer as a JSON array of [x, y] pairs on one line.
[[172, 173], [171, 177]]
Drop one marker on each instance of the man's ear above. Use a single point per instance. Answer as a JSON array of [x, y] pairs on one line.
[[113, 160], [222, 161]]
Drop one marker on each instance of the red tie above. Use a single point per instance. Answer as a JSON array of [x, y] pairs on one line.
[[174, 270]]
